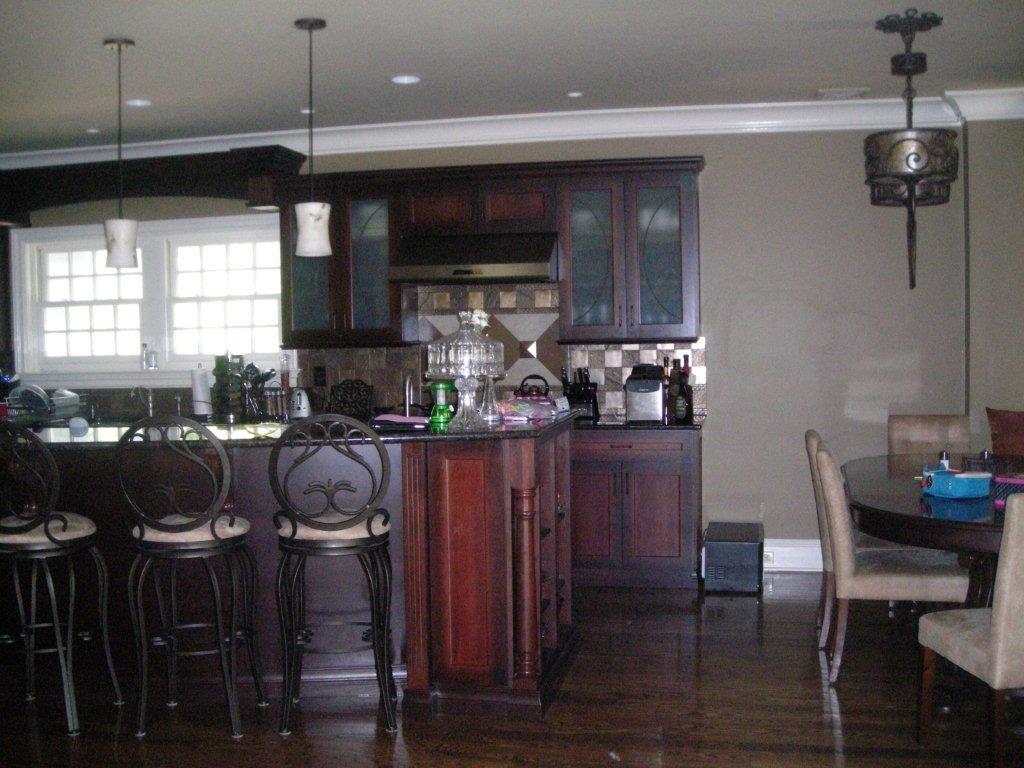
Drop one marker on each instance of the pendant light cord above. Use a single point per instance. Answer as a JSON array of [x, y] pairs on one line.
[[120, 158], [311, 198]]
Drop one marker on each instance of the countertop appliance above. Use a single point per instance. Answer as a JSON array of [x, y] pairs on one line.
[[645, 393]]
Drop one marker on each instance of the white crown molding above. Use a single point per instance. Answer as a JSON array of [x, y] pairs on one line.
[[999, 104], [860, 115]]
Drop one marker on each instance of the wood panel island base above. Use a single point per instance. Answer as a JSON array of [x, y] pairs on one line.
[[480, 544], [488, 561]]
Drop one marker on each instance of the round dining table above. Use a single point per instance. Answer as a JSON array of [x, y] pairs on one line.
[[886, 501]]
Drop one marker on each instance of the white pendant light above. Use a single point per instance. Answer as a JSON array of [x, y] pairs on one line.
[[121, 233], [311, 219]]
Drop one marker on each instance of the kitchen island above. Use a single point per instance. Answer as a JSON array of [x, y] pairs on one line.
[[480, 543]]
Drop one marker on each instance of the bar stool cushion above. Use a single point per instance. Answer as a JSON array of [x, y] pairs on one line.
[[79, 527], [355, 533], [200, 535]]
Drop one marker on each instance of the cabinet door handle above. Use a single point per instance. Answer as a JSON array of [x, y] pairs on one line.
[[632, 315], [625, 484], [618, 314]]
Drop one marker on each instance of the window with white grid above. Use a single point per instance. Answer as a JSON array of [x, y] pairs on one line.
[[89, 310], [203, 287], [226, 297]]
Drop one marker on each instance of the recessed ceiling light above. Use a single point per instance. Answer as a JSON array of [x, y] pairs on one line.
[[139, 103], [92, 130], [841, 94], [405, 79], [574, 94]]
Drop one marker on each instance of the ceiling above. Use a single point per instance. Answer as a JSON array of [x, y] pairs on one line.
[[221, 67]]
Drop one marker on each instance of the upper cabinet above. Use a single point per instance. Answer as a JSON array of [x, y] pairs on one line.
[[346, 298], [627, 233], [480, 206], [630, 257]]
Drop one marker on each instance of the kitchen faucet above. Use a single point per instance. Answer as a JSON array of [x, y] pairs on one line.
[[138, 391], [407, 395]]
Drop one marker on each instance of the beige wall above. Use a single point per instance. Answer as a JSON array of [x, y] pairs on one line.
[[997, 271], [805, 307]]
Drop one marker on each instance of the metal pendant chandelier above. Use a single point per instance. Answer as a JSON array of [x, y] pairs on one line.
[[314, 238], [120, 233], [914, 166]]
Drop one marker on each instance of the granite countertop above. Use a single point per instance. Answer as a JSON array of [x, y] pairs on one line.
[[256, 435], [615, 424]]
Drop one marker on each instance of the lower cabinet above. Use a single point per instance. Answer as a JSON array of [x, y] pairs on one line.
[[635, 497]]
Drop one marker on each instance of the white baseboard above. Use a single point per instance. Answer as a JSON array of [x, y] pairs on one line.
[[792, 555]]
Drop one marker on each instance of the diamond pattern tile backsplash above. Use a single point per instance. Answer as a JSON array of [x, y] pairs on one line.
[[525, 319]]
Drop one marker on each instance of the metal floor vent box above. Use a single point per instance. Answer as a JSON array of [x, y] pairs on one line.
[[732, 558]]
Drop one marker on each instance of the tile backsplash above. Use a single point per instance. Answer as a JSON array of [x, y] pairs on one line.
[[524, 318]]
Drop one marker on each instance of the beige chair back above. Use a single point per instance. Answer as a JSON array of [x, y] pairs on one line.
[[1007, 648], [812, 441], [929, 434], [840, 524]]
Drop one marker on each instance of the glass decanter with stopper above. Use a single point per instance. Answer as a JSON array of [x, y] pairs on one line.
[[463, 357]]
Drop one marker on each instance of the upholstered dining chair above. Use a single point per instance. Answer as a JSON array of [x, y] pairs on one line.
[[929, 434], [987, 642], [921, 575], [175, 476], [34, 533], [329, 474], [827, 598]]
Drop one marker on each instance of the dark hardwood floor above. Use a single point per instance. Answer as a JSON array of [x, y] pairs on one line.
[[660, 680]]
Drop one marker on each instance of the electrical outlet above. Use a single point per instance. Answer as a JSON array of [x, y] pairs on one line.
[[319, 376], [769, 558]]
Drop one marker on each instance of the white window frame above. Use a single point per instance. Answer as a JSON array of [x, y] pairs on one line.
[[155, 239]]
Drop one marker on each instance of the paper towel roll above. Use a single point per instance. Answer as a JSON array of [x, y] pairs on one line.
[[202, 403]]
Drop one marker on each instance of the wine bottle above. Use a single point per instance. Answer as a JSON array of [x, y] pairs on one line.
[[687, 392], [674, 389]]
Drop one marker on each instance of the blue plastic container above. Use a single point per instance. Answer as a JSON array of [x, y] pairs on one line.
[[947, 484]]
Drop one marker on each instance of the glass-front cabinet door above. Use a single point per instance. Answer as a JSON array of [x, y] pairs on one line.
[[661, 256], [591, 272], [344, 299], [307, 287], [369, 243]]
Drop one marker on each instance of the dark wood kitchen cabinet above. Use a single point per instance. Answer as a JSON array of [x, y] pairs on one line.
[[636, 507], [346, 298], [630, 257], [627, 233], [487, 205]]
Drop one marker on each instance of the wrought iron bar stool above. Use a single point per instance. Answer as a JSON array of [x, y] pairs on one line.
[[176, 477], [30, 530], [323, 517]]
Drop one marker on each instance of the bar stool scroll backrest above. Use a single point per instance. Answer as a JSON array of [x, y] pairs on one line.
[[306, 459], [175, 475], [29, 483]]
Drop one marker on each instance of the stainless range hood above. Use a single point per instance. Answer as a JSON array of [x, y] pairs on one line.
[[520, 257]]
